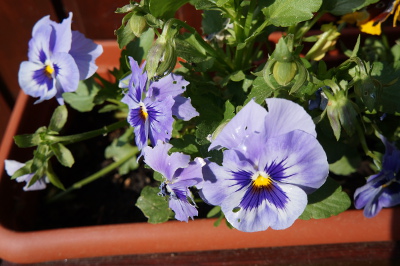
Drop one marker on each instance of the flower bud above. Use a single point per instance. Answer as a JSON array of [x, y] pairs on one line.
[[341, 113], [138, 25], [368, 89], [161, 58], [326, 41], [284, 72]]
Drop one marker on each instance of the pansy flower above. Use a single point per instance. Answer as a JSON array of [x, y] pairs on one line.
[[370, 19], [272, 161], [382, 189], [151, 109], [179, 174], [58, 59], [12, 166]]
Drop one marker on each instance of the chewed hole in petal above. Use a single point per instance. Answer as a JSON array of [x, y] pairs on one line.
[[236, 209]]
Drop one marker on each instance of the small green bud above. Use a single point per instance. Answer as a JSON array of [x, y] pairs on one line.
[[284, 72], [341, 113], [368, 89], [138, 25], [161, 58]]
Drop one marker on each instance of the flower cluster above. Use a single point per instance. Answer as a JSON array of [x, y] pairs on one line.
[[259, 131]]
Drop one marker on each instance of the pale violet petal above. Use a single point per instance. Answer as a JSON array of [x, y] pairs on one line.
[[85, 52], [244, 123], [183, 108], [285, 116], [295, 158], [170, 85], [159, 160], [183, 209], [11, 166]]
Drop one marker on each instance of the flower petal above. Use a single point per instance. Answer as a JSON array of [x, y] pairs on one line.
[[285, 116], [295, 158], [34, 82], [170, 85], [245, 122], [183, 209], [160, 119], [85, 52], [159, 160], [39, 45], [67, 74], [267, 213], [213, 190], [61, 38], [183, 108]]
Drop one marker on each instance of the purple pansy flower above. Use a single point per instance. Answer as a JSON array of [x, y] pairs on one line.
[[382, 189], [273, 160], [58, 59], [151, 110], [179, 174], [12, 166]]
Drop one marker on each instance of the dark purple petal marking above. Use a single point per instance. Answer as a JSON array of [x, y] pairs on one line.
[[42, 77], [261, 186]]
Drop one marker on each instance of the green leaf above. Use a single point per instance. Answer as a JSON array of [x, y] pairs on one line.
[[213, 21], [348, 164], [58, 119], [24, 170], [158, 176], [27, 140], [187, 144], [83, 99], [53, 178], [214, 212], [260, 91], [204, 4], [285, 13], [153, 206], [164, 9], [342, 7], [124, 32], [188, 48], [119, 148], [139, 48], [327, 201], [64, 156]]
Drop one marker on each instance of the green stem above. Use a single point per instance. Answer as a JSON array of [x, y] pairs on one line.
[[86, 135], [96, 175]]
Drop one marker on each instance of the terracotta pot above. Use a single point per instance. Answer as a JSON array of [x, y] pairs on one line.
[[200, 234]]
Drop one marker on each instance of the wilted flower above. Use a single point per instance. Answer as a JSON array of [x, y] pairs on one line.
[[12, 166], [179, 174], [58, 59], [273, 161], [151, 111], [382, 189]]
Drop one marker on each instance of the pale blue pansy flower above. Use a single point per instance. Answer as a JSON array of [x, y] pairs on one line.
[[151, 109], [272, 161], [383, 189], [57, 59], [11, 166], [179, 174]]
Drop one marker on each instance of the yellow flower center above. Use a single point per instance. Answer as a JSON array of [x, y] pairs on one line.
[[143, 112], [49, 70], [261, 179]]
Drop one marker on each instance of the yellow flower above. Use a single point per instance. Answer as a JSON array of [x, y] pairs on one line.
[[372, 25]]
